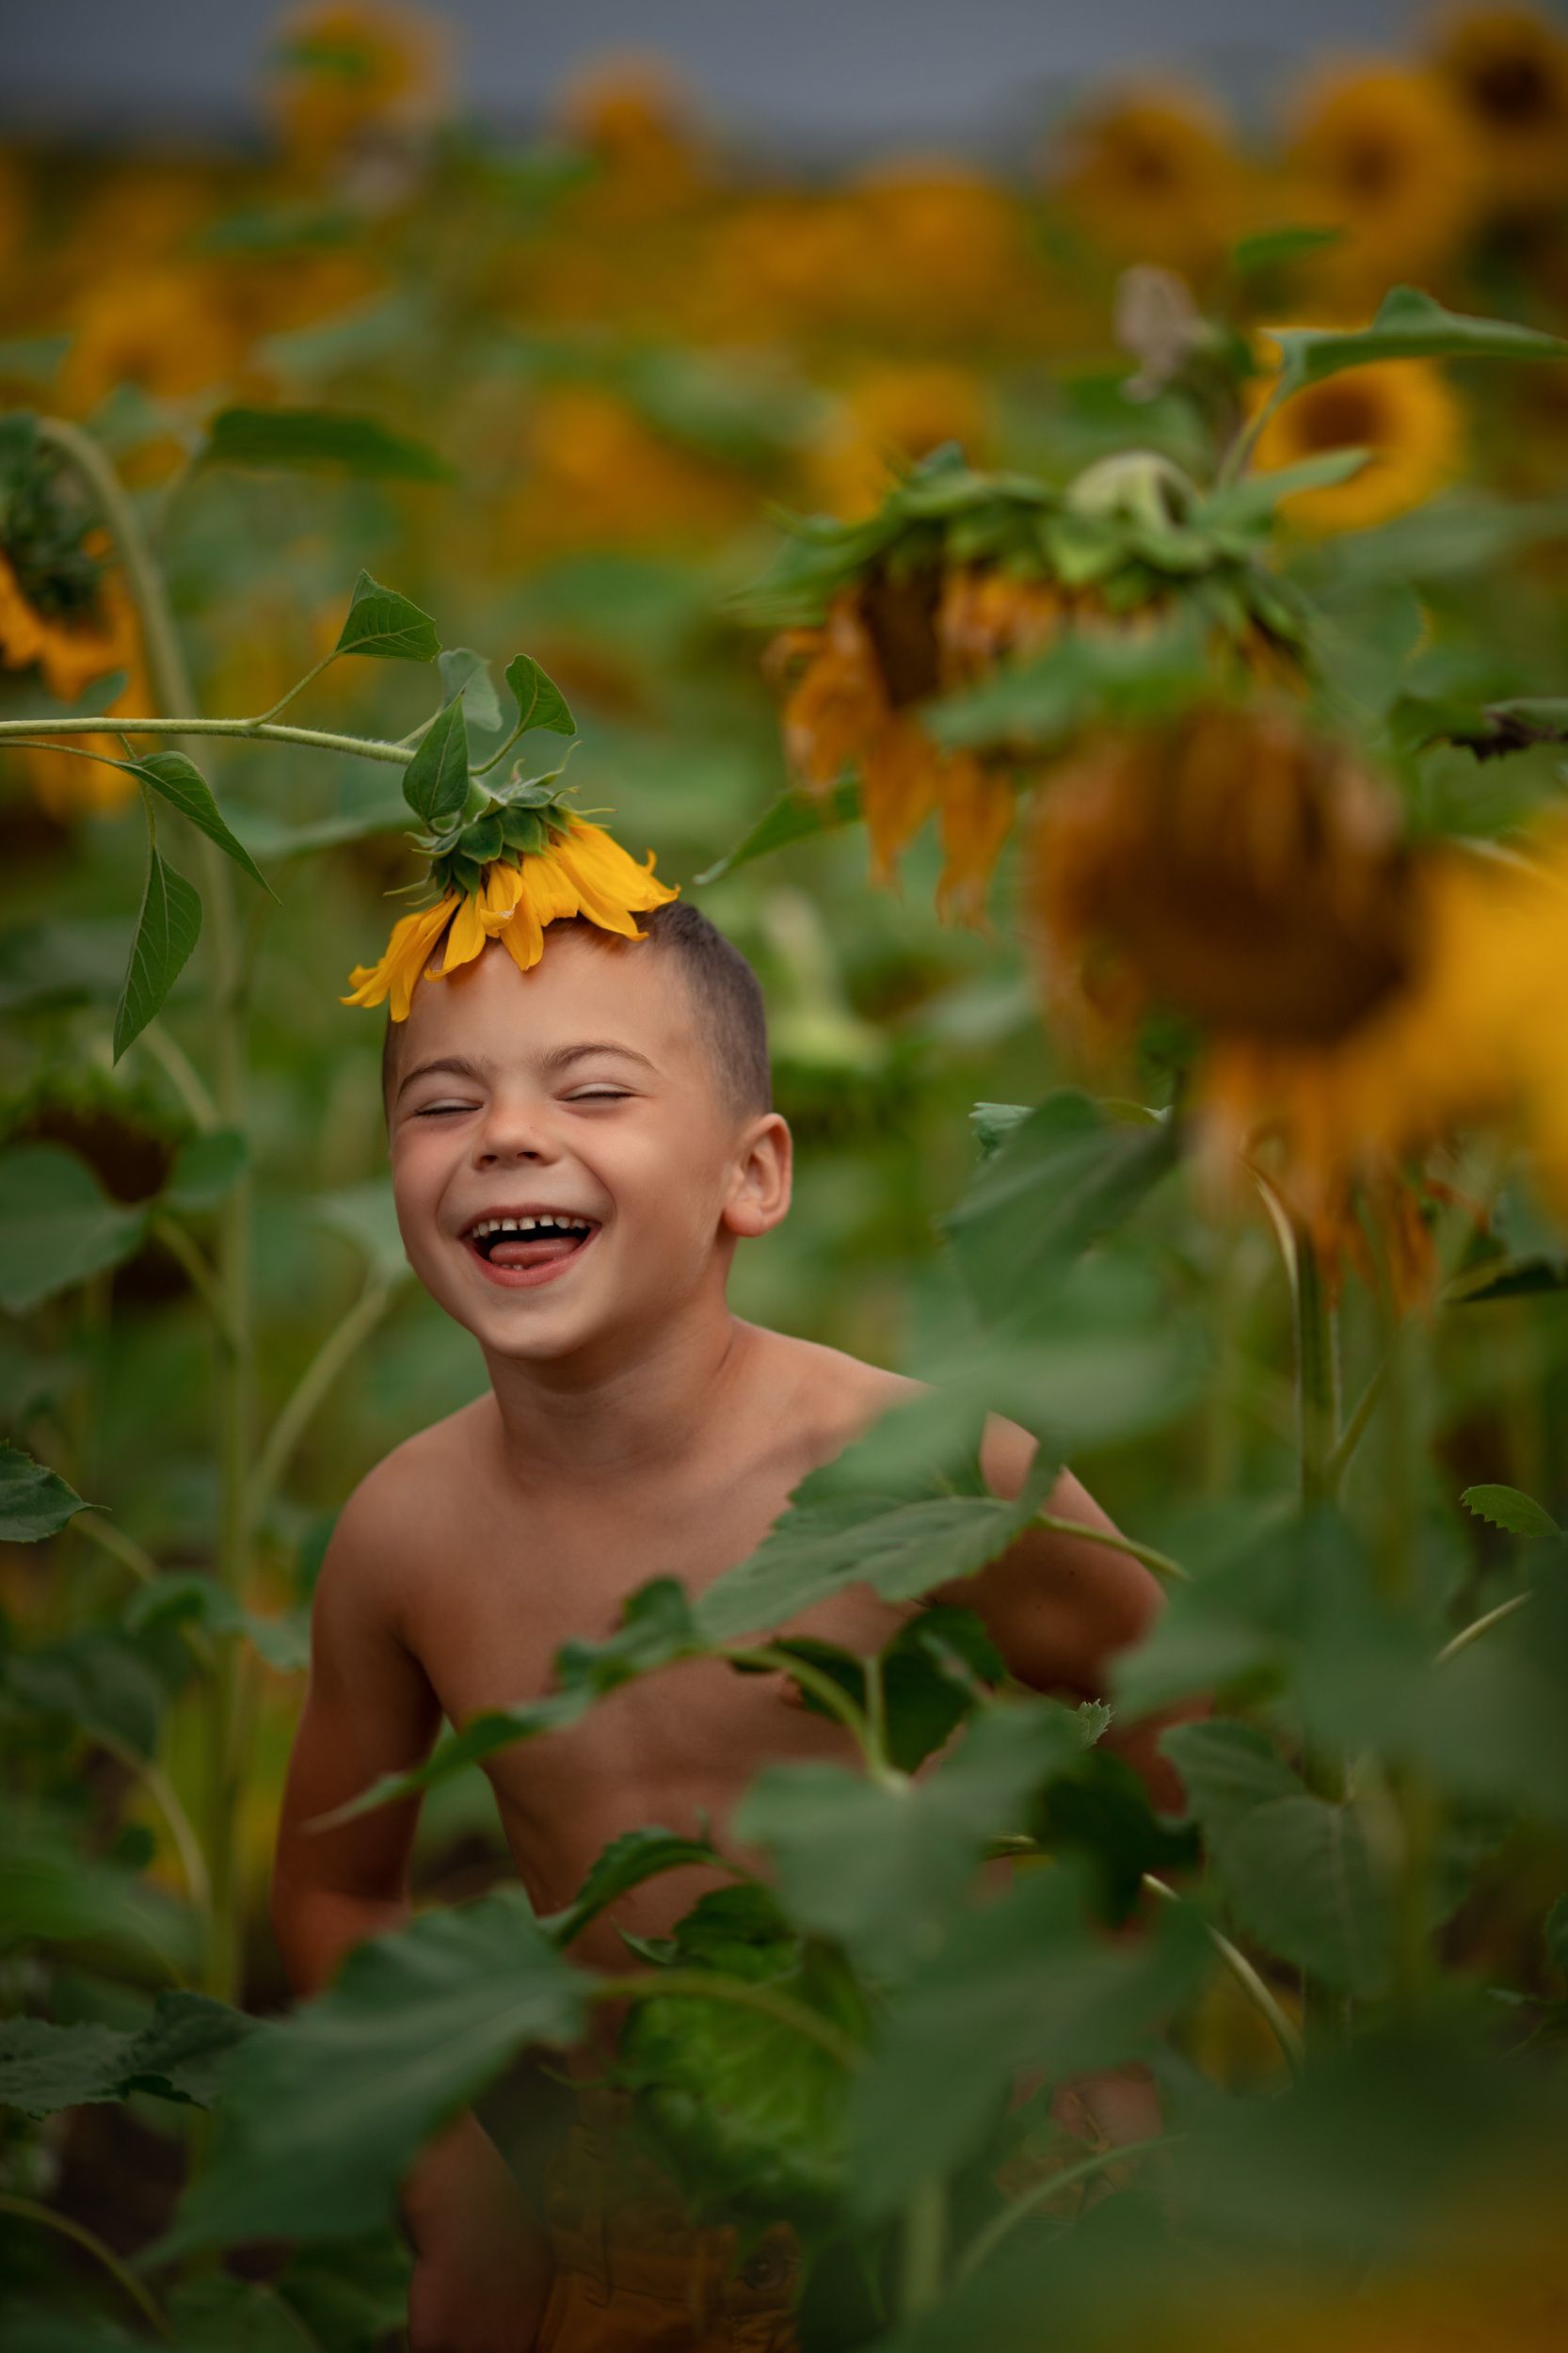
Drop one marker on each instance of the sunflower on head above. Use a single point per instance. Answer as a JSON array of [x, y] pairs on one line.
[[505, 863]]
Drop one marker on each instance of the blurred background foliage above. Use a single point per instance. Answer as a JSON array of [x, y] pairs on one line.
[[586, 371]]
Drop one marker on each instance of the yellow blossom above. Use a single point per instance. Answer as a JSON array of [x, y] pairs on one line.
[[889, 413], [1152, 176], [1385, 153], [68, 655], [1507, 68], [1402, 411], [350, 70], [583, 872], [167, 327]]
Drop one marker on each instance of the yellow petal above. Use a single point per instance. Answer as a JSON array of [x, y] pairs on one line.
[[466, 939], [523, 937], [413, 937]]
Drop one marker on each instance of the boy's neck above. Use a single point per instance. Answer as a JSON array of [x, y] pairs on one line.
[[653, 1402]]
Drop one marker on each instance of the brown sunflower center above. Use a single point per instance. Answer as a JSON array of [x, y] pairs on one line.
[[1340, 416], [1511, 90]]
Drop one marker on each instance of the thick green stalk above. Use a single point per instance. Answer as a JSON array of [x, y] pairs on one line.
[[233, 1386], [925, 2237], [246, 730]]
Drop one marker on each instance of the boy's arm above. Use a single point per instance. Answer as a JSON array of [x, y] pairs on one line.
[[1059, 1607], [370, 1709]]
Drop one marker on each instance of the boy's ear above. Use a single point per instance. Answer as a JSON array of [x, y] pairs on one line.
[[760, 1187]]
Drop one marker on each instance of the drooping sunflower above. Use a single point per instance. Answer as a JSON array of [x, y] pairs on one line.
[[577, 869], [1152, 176], [1508, 68], [1402, 411], [1385, 153], [65, 613], [1356, 998]]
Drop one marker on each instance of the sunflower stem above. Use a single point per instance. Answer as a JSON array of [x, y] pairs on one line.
[[29, 2210], [245, 730], [233, 1382]]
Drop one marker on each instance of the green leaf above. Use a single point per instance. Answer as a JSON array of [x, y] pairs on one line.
[[1269, 249], [167, 929], [315, 438], [52, 1893], [226, 2314], [626, 1863], [181, 2054], [1249, 505], [435, 783], [34, 1501], [96, 1680], [57, 1226], [1101, 1811], [180, 782], [1298, 1870], [743, 2110], [205, 1168], [1059, 1178], [1555, 1931], [1508, 1508], [1487, 730], [468, 674], [386, 626], [185, 1597], [1028, 1981], [366, 1216], [796, 816], [540, 702], [885, 1869], [656, 1629], [324, 2114], [993, 1123], [1410, 325]]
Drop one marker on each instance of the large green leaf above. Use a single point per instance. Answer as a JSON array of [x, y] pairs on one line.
[[1027, 1981], [1410, 325], [435, 783], [182, 784], [98, 1680], [222, 2313], [1298, 1872], [796, 816], [53, 1893], [186, 1596], [1056, 1181], [884, 1868], [934, 1672], [34, 1501], [334, 438], [325, 2113], [57, 1225], [206, 1167], [181, 2054], [742, 2109], [167, 929], [387, 626]]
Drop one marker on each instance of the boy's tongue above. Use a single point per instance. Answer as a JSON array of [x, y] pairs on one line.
[[524, 1251]]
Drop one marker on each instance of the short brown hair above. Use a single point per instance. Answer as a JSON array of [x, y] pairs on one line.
[[724, 990]]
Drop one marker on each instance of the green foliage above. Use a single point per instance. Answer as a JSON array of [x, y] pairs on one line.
[[325, 2113], [539, 701], [796, 816], [167, 929], [435, 783], [315, 438], [1410, 325], [181, 2054], [34, 1501], [386, 626], [179, 781], [57, 1226], [1506, 1507]]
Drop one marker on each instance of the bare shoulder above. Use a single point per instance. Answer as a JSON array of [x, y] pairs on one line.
[[833, 1392], [398, 1510]]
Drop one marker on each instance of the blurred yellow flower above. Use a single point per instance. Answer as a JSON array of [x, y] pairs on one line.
[[1152, 176], [168, 329], [599, 475], [583, 872], [349, 71], [634, 118], [1385, 153], [1508, 70], [889, 413], [1402, 411]]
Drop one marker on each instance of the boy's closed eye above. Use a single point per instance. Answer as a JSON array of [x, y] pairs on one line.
[[598, 1094]]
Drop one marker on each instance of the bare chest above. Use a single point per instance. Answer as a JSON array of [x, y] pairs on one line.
[[677, 1747]]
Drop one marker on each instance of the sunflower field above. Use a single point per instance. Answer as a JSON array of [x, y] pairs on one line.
[[1096, 634]]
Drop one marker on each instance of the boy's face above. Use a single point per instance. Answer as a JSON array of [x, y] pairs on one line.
[[584, 1088]]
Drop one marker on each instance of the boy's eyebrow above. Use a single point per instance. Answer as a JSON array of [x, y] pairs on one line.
[[466, 1066]]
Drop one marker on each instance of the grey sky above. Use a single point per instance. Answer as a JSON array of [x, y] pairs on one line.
[[807, 74]]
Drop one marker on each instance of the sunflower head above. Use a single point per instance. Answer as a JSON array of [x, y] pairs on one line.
[[1402, 411], [1228, 865], [1385, 153], [1507, 68], [1153, 178], [522, 862]]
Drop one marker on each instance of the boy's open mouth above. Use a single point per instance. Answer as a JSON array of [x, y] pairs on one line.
[[528, 1242]]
